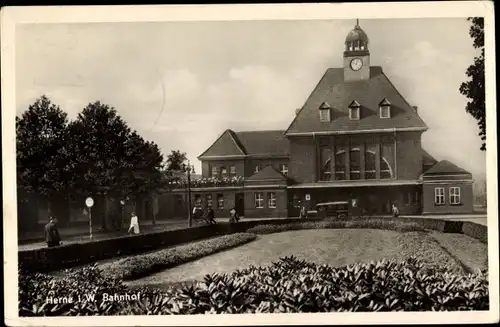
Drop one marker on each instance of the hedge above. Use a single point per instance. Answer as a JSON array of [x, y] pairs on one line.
[[70, 255], [479, 232], [144, 264], [47, 259], [388, 224], [288, 285]]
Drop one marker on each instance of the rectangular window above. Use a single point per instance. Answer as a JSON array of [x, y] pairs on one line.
[[455, 195], [271, 197], [408, 199], [208, 198], [385, 112], [197, 201], [354, 113], [284, 169], [259, 200], [355, 164], [215, 172], [324, 115], [232, 170], [385, 168], [220, 201], [439, 196], [223, 171]]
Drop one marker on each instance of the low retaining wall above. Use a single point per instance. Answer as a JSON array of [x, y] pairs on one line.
[[48, 259]]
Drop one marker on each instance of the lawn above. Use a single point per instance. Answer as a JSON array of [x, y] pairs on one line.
[[336, 247]]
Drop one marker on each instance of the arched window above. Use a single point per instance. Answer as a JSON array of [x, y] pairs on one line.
[[325, 159], [340, 165], [385, 169], [370, 165], [355, 164]]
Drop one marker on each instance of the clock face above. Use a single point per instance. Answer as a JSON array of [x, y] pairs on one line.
[[356, 64]]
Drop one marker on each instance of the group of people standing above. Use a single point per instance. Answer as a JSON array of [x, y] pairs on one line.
[[209, 215]]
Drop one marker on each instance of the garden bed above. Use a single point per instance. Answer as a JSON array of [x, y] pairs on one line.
[[144, 264], [335, 247]]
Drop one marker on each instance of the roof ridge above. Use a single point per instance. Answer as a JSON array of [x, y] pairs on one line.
[[308, 98], [237, 141]]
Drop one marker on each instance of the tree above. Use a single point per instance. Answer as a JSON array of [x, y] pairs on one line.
[[40, 149], [110, 161], [41, 160], [474, 89], [175, 160]]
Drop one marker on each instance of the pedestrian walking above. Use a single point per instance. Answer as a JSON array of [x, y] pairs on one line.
[[134, 224], [303, 212], [52, 233], [234, 217], [210, 216], [395, 211]]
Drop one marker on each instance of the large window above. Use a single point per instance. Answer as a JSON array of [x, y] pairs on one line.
[[223, 171], [220, 201], [340, 165], [370, 165], [439, 195], [454, 195], [271, 198], [215, 172], [355, 164], [385, 168], [326, 159], [259, 200]]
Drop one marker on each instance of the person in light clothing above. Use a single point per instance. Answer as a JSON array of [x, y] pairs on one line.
[[134, 224]]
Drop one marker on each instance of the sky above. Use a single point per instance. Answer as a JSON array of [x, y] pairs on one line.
[[182, 84]]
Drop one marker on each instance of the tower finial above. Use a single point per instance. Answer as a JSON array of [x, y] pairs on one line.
[[357, 21]]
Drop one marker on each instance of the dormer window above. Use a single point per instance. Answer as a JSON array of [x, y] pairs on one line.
[[324, 112], [354, 110], [385, 109]]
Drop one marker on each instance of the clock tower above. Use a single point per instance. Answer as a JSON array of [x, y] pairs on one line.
[[356, 55]]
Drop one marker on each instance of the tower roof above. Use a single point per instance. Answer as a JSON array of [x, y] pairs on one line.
[[356, 34]]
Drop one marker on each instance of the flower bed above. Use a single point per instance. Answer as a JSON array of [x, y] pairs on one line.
[[396, 225], [141, 265], [210, 182], [288, 285]]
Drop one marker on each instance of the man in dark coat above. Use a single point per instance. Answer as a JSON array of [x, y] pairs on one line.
[[52, 234], [211, 216]]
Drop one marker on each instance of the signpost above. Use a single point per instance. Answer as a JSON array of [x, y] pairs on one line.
[[89, 202]]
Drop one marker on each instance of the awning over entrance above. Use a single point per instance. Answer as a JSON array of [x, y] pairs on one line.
[[356, 183]]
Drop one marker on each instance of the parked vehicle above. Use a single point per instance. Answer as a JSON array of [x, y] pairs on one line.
[[337, 209]]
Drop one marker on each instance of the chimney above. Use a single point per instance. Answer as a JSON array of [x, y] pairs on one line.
[[415, 108], [297, 111]]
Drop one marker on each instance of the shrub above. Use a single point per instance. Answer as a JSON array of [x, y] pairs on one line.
[[141, 265], [289, 285], [477, 231], [388, 224]]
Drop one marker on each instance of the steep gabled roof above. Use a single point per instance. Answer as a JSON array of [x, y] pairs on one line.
[[427, 159], [267, 174], [445, 167], [368, 93], [249, 143], [226, 145], [264, 142]]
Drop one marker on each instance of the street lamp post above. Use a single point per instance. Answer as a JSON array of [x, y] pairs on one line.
[[187, 168]]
